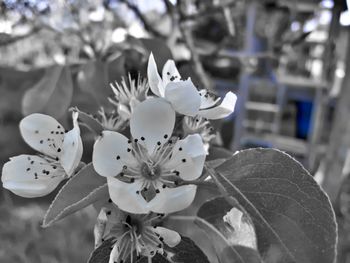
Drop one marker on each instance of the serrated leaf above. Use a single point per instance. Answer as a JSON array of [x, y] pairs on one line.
[[293, 217], [185, 252], [84, 188], [52, 95]]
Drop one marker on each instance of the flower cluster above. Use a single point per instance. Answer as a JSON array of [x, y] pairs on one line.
[[150, 171]]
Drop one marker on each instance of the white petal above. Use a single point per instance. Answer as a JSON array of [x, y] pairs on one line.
[[188, 157], [170, 200], [170, 237], [43, 133], [72, 148], [226, 107], [170, 72], [125, 197], [184, 97], [113, 256], [124, 112], [152, 122], [110, 154], [154, 80], [18, 176]]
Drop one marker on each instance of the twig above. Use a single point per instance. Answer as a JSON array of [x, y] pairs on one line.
[[143, 19], [195, 59]]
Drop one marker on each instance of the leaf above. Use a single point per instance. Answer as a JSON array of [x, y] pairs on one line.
[[101, 254], [93, 79], [216, 152], [185, 252], [293, 217], [159, 49], [246, 254], [228, 237], [52, 95], [116, 69], [90, 121], [242, 233], [84, 188]]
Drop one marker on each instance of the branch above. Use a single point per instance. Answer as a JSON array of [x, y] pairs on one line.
[[143, 19], [195, 59]]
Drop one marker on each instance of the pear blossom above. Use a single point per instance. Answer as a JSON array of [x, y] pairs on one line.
[[111, 121], [128, 94], [133, 235], [143, 174], [201, 126], [184, 96], [59, 155]]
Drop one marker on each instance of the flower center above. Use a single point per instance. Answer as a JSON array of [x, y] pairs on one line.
[[150, 172]]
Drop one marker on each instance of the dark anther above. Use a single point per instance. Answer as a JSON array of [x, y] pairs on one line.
[[41, 141], [158, 143], [183, 160], [180, 149], [109, 200], [129, 150], [118, 157], [59, 150], [135, 140], [142, 138], [129, 141], [109, 212], [132, 180], [165, 136], [157, 191], [128, 219]]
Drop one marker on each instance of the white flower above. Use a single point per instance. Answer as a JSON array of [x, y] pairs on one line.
[[143, 173], [134, 236], [200, 125], [38, 175], [128, 95], [183, 95], [111, 121]]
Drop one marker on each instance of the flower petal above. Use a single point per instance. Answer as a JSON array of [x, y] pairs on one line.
[[170, 237], [114, 255], [170, 200], [125, 197], [72, 148], [170, 72], [184, 97], [152, 122], [226, 107], [31, 176], [43, 133], [154, 80], [111, 153], [188, 157]]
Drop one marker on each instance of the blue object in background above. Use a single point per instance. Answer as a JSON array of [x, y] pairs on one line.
[[304, 112]]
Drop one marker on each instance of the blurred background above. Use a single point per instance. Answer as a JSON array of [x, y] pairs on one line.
[[287, 61]]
